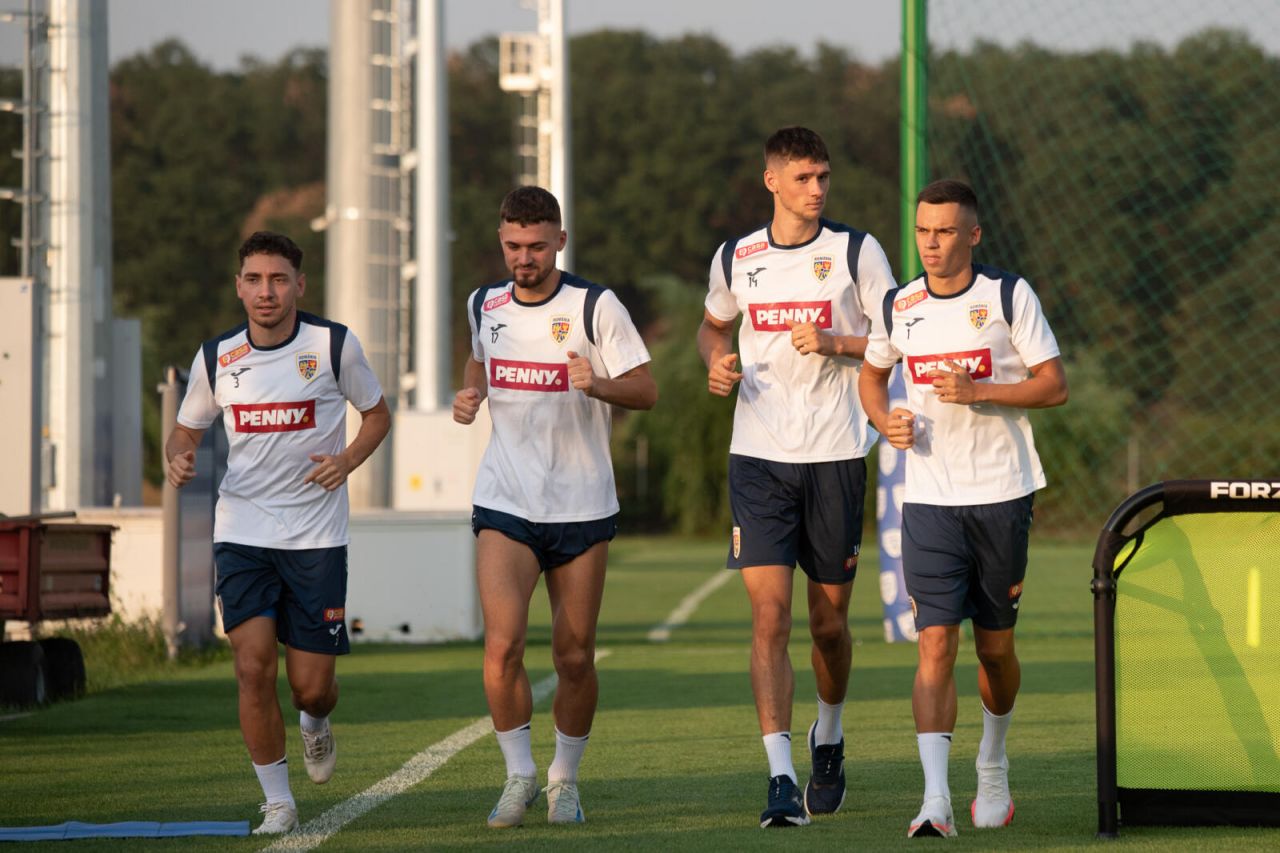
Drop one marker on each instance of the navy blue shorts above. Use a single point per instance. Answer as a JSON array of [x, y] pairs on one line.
[[966, 562], [305, 590], [553, 543], [786, 513]]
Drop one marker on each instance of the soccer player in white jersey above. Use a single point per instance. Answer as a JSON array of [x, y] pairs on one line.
[[977, 352], [551, 352], [797, 474], [280, 383]]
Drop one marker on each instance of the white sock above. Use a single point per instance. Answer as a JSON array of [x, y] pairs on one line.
[[935, 750], [778, 747], [991, 749], [274, 779], [564, 767], [828, 729], [311, 725], [517, 750]]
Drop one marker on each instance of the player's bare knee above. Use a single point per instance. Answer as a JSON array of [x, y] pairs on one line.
[[576, 664], [830, 633]]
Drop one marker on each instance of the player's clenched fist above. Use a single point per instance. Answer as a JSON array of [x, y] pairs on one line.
[[722, 376], [182, 467], [581, 376], [901, 431], [953, 385], [807, 338], [465, 405]]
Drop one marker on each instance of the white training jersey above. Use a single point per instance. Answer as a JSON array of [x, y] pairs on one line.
[[279, 405], [793, 407], [548, 457], [981, 453]]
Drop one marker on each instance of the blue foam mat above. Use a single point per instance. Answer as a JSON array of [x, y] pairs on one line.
[[124, 829]]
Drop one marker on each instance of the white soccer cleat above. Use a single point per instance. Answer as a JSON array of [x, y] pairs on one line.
[[563, 805], [518, 794], [280, 818], [319, 753], [993, 807], [934, 820]]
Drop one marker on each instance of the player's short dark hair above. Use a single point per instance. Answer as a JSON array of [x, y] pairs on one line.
[[271, 243], [947, 191], [529, 206], [795, 143]]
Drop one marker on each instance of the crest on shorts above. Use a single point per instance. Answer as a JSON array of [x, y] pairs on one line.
[[559, 329], [334, 614], [915, 614], [979, 313], [821, 267], [308, 365], [737, 542], [1015, 591]]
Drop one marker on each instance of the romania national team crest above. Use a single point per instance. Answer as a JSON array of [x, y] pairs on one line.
[[308, 365], [979, 313], [559, 329], [737, 542], [821, 267]]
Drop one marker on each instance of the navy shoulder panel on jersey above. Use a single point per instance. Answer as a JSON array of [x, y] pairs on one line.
[[887, 308], [1008, 281], [210, 351], [478, 306], [726, 261], [588, 303], [337, 337], [855, 244]]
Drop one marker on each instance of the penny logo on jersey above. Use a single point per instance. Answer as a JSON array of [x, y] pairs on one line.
[[977, 362], [780, 316], [274, 417], [821, 267], [528, 375], [308, 365], [234, 355], [560, 329]]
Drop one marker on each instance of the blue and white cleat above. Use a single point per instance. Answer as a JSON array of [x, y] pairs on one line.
[[518, 794], [563, 805], [824, 792], [785, 807]]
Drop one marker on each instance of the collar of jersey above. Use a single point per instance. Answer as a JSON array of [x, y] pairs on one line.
[[297, 324], [768, 232], [559, 286], [973, 269]]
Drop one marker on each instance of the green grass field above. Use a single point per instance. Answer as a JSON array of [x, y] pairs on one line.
[[675, 761]]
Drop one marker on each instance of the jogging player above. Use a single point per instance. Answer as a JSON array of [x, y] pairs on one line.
[[280, 384], [797, 472], [551, 352], [977, 352]]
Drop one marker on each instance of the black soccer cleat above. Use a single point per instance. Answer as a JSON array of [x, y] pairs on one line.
[[785, 808], [824, 793]]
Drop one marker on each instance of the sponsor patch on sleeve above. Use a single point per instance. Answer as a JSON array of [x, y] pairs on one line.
[[232, 356]]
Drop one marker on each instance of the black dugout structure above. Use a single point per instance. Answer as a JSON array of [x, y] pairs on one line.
[[1186, 591]]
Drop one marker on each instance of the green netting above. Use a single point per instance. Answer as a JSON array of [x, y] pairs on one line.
[[1131, 177], [1197, 640]]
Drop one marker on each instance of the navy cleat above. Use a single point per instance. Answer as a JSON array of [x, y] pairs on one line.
[[785, 807], [824, 793]]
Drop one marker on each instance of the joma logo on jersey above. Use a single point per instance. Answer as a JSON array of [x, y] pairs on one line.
[[977, 362], [747, 251], [907, 301], [1244, 490], [234, 355], [497, 301], [528, 375], [779, 316], [274, 417]]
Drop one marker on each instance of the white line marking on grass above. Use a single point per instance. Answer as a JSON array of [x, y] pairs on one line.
[[662, 632], [315, 832], [9, 717]]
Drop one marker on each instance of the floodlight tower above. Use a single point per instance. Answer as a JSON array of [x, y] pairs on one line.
[[536, 66]]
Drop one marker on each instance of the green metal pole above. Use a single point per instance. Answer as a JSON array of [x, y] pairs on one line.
[[912, 133]]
